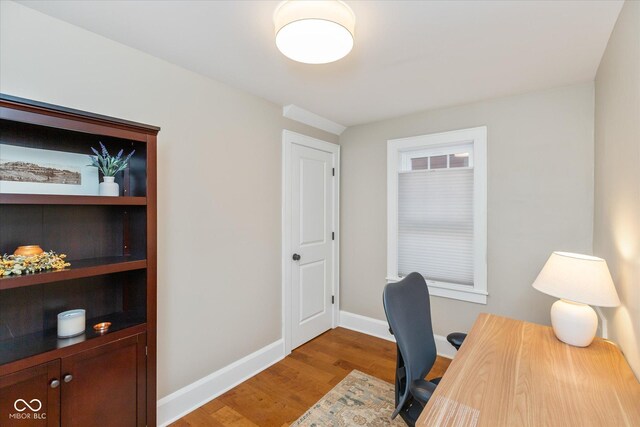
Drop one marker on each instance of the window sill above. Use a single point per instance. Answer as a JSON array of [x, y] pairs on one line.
[[452, 291]]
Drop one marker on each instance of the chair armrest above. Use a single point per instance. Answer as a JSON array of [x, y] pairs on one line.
[[456, 339], [421, 390]]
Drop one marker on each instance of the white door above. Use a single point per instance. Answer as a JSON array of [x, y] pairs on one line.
[[311, 245]]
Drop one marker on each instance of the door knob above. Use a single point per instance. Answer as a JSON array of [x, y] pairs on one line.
[[296, 257], [67, 378], [54, 383]]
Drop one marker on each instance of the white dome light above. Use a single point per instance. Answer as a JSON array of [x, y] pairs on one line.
[[314, 31]]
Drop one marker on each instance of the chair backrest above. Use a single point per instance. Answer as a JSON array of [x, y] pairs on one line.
[[408, 310]]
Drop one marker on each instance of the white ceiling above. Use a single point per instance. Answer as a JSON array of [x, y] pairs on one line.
[[408, 55]]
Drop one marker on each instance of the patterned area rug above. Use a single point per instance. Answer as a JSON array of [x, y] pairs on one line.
[[358, 400]]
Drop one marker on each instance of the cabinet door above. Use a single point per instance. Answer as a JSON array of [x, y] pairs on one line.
[[31, 397], [105, 386]]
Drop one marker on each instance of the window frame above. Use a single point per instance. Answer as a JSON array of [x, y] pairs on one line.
[[397, 150]]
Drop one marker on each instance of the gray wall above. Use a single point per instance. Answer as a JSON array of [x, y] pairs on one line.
[[540, 199], [617, 176], [219, 166]]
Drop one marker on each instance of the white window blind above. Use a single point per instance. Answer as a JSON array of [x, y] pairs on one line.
[[435, 224], [437, 211]]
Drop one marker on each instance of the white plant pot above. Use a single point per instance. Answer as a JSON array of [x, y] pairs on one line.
[[108, 187]]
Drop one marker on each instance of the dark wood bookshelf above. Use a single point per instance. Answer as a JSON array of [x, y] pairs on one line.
[[111, 245], [79, 269], [52, 199]]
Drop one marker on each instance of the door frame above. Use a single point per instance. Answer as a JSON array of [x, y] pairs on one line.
[[290, 138]]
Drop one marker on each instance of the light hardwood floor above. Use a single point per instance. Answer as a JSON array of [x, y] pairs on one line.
[[280, 394]]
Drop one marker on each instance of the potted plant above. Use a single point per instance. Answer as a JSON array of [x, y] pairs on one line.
[[109, 166]]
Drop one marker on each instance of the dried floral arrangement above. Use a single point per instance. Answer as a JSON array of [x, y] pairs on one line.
[[107, 164], [19, 264]]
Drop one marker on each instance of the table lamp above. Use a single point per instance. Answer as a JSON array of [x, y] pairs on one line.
[[579, 281]]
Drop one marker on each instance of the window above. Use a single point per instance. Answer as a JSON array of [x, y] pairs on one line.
[[436, 213]]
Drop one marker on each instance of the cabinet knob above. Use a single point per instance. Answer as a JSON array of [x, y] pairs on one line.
[[54, 383], [67, 378]]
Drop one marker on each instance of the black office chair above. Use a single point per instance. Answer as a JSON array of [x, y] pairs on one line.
[[408, 310]]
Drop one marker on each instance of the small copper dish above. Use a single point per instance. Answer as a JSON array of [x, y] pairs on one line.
[[101, 328]]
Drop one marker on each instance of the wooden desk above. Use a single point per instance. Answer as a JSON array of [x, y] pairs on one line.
[[514, 373]]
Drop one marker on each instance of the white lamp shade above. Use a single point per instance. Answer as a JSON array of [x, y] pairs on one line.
[[579, 278], [314, 31]]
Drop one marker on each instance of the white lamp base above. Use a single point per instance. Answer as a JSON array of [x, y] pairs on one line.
[[574, 323]]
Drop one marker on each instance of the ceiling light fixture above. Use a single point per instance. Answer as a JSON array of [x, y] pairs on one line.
[[314, 31]]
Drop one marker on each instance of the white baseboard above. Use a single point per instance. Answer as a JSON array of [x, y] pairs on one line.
[[366, 325], [196, 394], [380, 329]]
